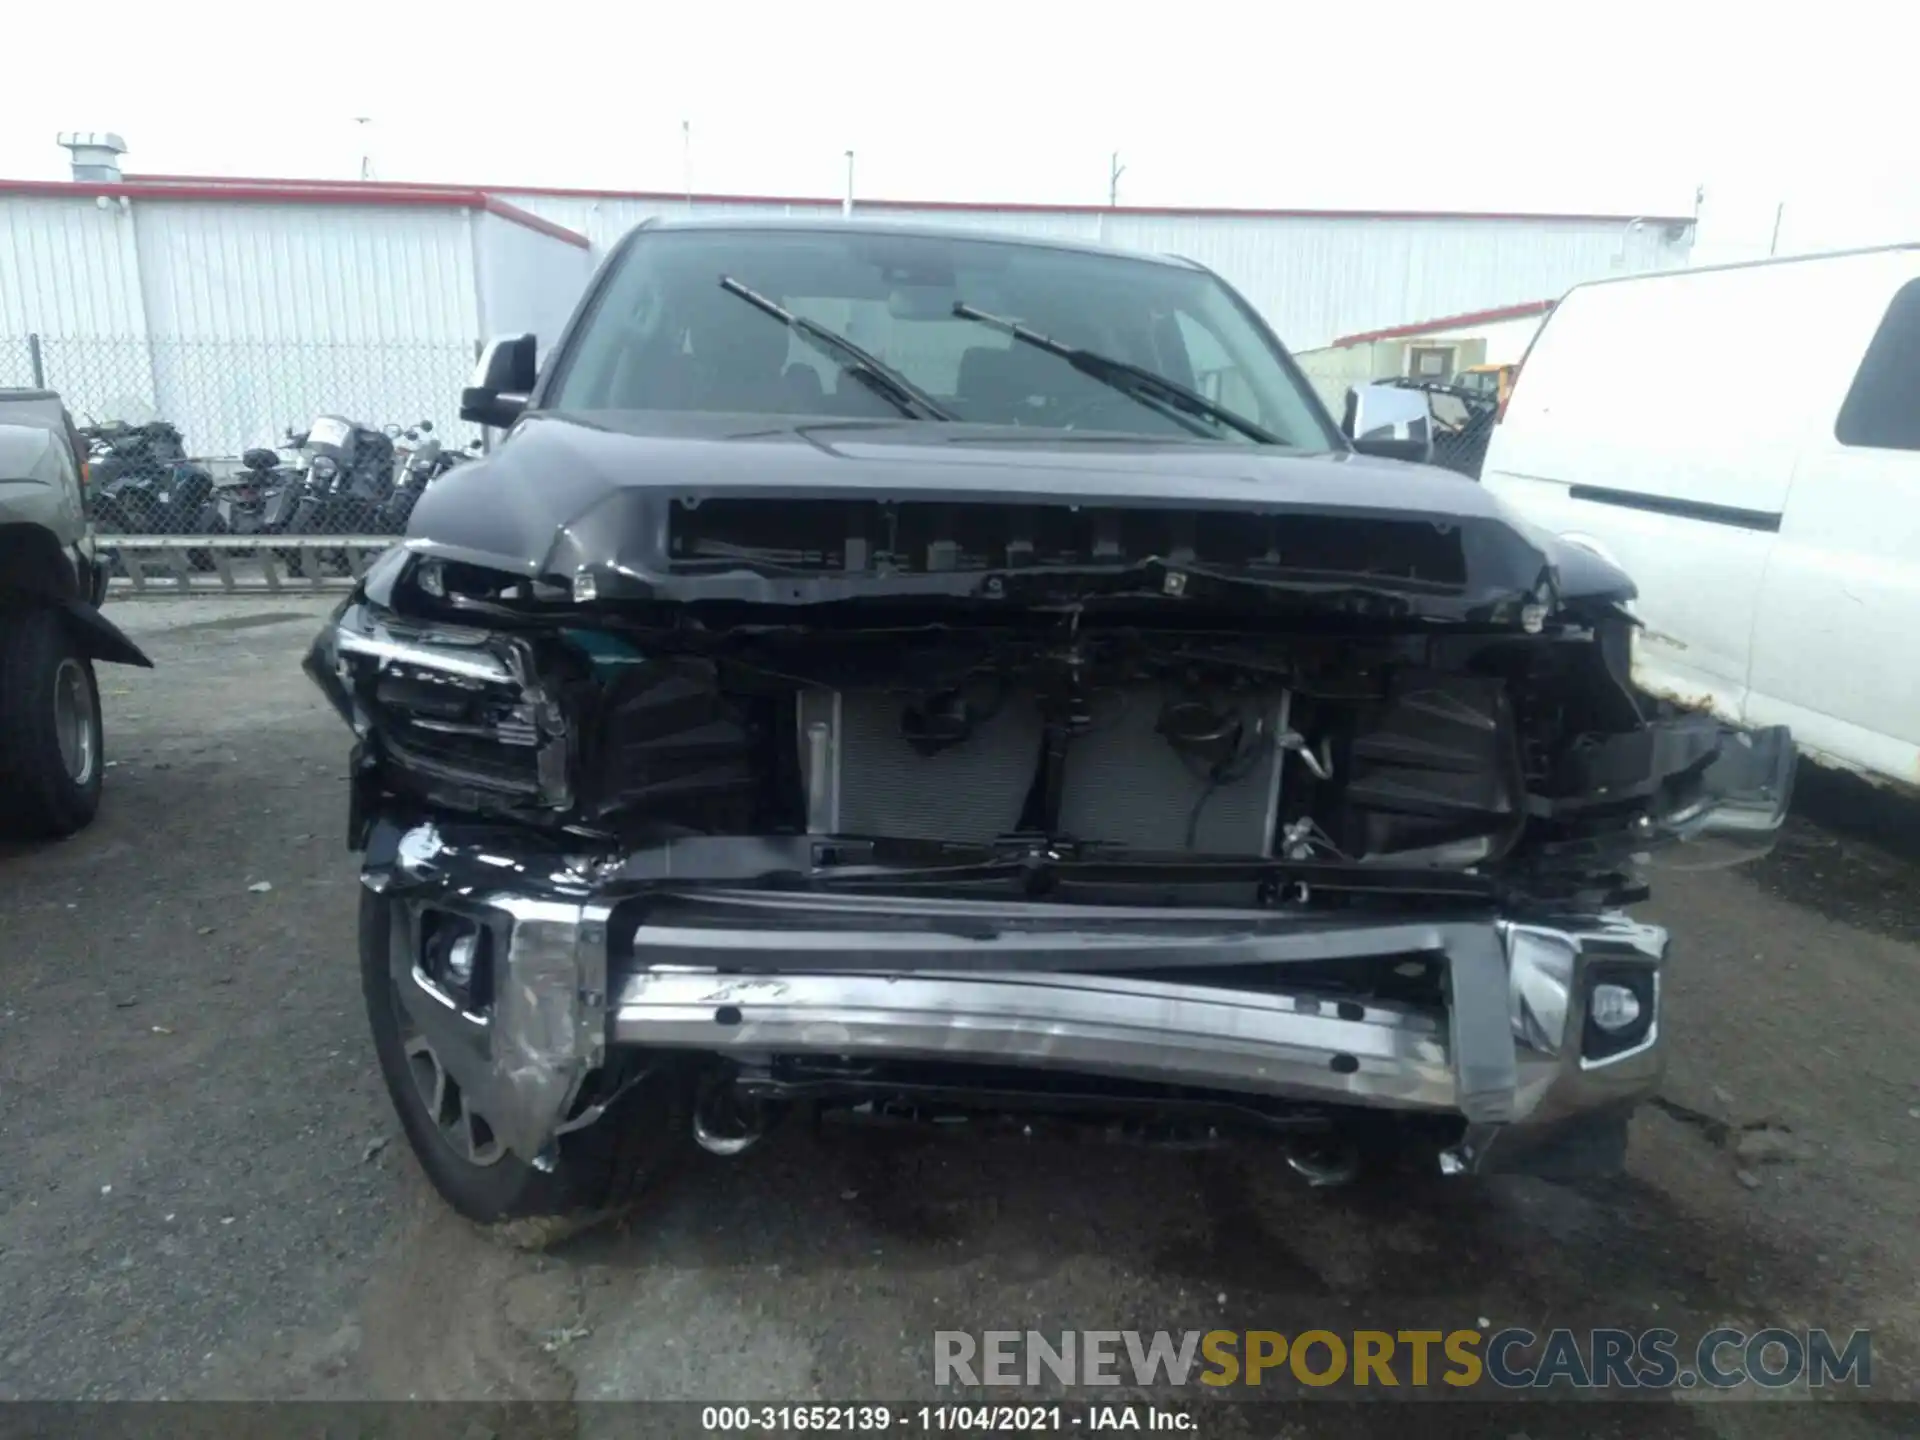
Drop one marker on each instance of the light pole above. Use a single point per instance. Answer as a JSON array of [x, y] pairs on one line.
[[846, 205], [366, 152]]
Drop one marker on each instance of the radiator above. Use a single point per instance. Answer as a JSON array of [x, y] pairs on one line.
[[1125, 785], [863, 778]]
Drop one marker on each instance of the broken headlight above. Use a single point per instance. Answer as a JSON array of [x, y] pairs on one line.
[[460, 713]]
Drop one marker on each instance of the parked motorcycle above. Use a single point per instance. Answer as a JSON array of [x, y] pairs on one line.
[[141, 482], [259, 498], [349, 477], [420, 459]]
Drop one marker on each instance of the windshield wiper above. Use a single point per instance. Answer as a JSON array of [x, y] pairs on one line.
[[1124, 376], [869, 369]]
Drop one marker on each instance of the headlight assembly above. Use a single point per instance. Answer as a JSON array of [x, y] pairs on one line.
[[457, 711]]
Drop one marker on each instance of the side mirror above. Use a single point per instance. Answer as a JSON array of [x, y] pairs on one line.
[[501, 382], [1390, 421]]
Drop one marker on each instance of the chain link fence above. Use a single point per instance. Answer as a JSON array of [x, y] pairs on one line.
[[224, 440], [1462, 421], [1462, 445]]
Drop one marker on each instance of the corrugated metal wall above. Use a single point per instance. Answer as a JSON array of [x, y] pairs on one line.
[[68, 267], [1313, 278], [237, 320], [1316, 279], [529, 281], [306, 273], [603, 219], [264, 315]]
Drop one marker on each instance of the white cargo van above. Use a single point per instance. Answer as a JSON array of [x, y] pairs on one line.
[[1745, 442]]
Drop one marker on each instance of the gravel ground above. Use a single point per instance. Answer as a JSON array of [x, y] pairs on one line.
[[202, 1192]]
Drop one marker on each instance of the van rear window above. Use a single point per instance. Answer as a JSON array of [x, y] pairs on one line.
[[1882, 409]]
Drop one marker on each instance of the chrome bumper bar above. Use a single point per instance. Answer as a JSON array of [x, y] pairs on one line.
[[1138, 1029], [1089, 990]]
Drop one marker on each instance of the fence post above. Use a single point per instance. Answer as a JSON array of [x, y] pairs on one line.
[[486, 431], [33, 358]]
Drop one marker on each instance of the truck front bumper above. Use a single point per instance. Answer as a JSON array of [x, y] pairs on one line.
[[577, 967]]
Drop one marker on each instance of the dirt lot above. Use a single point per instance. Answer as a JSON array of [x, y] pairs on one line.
[[202, 1192]]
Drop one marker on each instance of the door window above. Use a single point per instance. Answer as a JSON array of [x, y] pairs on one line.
[[1882, 409]]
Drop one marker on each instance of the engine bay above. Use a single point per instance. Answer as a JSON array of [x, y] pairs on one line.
[[1168, 765], [1079, 734]]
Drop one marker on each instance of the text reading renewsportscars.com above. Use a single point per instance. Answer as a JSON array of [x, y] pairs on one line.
[[1510, 1359]]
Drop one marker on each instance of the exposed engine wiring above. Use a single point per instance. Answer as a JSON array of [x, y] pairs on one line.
[[1299, 840], [1236, 767], [1321, 765]]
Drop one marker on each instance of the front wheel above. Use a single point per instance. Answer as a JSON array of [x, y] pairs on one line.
[[50, 732], [598, 1171], [393, 516]]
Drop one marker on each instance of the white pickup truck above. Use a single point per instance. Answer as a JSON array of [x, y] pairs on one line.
[[51, 628]]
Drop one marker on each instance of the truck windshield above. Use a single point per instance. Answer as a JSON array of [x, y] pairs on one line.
[[665, 334]]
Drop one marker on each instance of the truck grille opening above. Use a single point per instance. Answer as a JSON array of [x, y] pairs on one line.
[[865, 536]]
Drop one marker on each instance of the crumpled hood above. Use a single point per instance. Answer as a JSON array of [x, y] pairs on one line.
[[618, 496]]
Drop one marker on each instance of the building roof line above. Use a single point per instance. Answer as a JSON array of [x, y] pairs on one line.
[[1447, 322], [1228, 212], [302, 192]]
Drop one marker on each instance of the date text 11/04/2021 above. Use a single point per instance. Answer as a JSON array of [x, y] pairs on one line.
[[948, 1419]]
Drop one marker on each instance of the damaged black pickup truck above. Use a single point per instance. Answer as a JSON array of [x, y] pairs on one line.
[[928, 676]]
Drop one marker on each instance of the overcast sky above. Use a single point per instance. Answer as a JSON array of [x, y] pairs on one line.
[[1620, 108]]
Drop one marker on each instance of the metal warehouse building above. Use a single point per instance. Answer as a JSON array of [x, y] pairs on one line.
[[1431, 349], [237, 307]]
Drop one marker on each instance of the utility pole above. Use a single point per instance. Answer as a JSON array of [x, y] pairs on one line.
[[1114, 171], [846, 205], [686, 161], [1773, 245]]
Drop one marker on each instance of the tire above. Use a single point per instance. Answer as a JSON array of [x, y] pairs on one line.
[[207, 521], [600, 1170], [395, 515], [47, 789]]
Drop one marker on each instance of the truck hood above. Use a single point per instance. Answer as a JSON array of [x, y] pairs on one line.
[[777, 510]]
